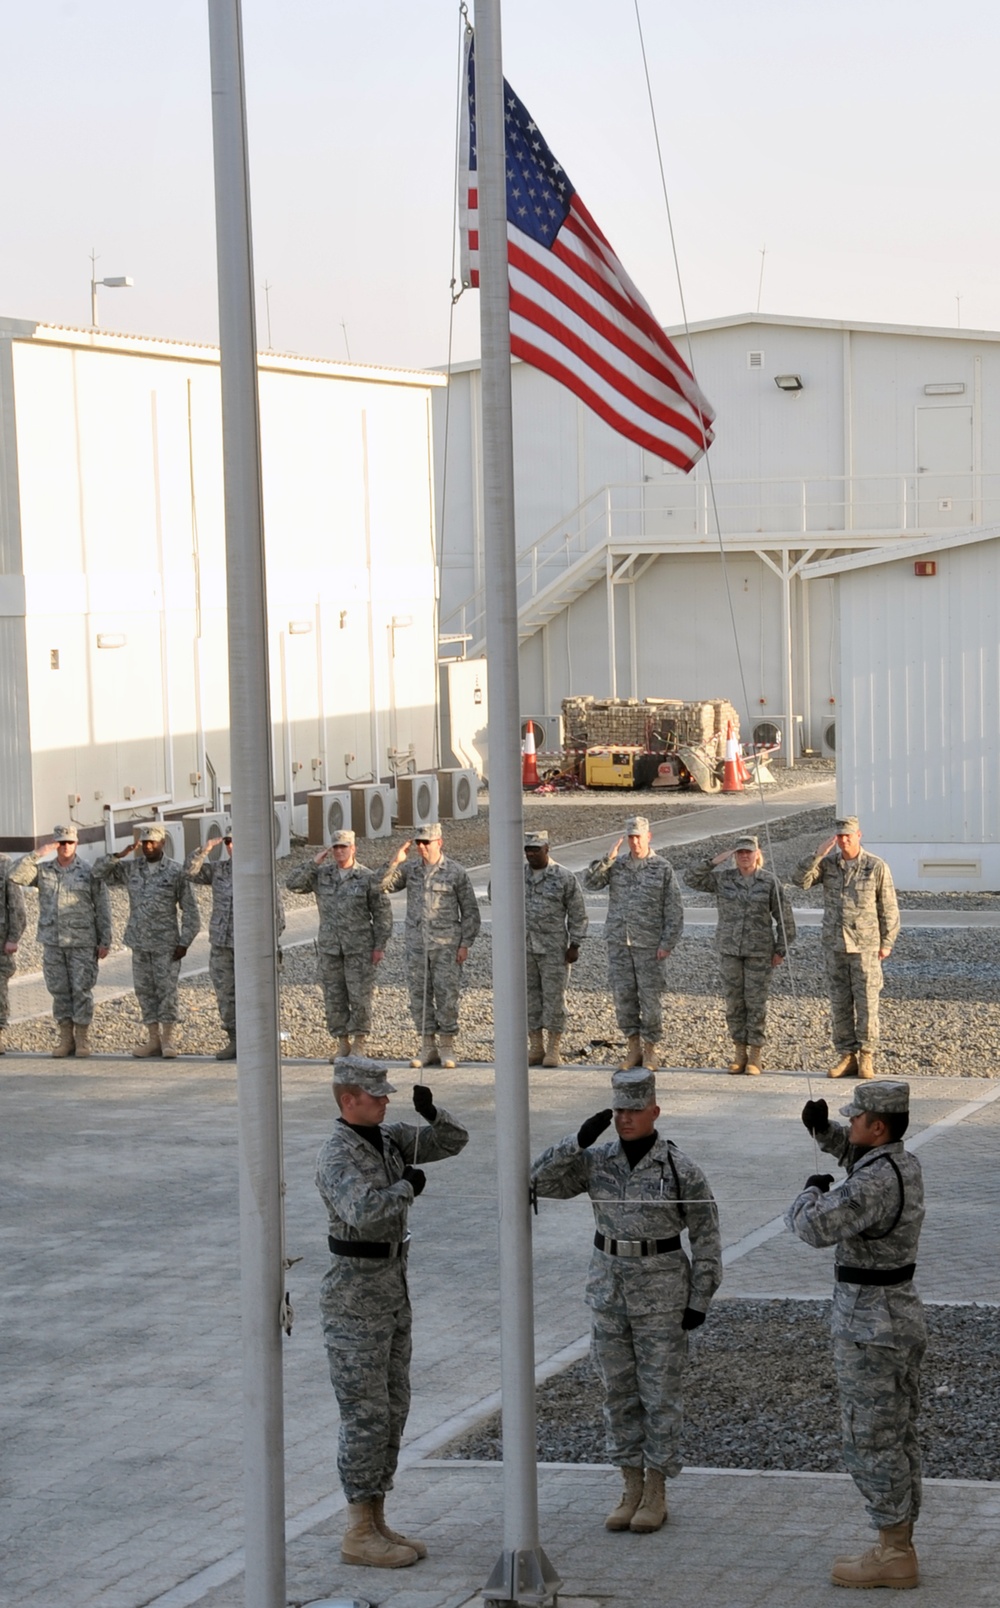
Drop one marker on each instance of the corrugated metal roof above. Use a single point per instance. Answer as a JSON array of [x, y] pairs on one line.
[[890, 552]]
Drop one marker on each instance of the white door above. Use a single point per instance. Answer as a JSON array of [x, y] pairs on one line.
[[944, 467]]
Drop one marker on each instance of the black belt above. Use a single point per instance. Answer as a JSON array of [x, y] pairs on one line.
[[645, 1247], [371, 1248], [876, 1275]]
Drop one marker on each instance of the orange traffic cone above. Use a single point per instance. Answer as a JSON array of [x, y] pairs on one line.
[[731, 779], [741, 767], [529, 764]]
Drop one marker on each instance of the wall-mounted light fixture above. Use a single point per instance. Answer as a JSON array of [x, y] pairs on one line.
[[299, 627], [788, 382], [111, 639]]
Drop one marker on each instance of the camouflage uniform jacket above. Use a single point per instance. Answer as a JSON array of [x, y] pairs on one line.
[[74, 909], [755, 912], [365, 1194], [355, 916], [555, 914], [156, 891], [859, 901], [644, 900], [661, 1196], [218, 875], [862, 1218], [441, 905], [12, 916]]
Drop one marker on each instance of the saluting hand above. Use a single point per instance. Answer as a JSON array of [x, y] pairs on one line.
[[824, 848], [401, 852], [593, 1128]]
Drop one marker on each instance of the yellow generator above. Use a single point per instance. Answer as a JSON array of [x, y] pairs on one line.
[[610, 767]]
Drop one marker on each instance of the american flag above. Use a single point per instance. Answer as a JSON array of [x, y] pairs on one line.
[[574, 312]]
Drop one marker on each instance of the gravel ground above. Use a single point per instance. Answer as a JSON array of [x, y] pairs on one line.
[[760, 1394]]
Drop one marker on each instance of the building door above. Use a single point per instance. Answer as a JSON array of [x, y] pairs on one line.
[[944, 467]]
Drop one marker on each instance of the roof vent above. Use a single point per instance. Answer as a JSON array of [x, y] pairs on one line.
[[755, 360]]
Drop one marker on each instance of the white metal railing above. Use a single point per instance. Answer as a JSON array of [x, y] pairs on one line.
[[681, 509]]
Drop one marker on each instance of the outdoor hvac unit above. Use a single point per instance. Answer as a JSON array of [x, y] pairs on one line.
[[371, 810], [201, 825], [548, 732], [173, 843], [830, 737], [282, 829], [416, 800], [765, 733], [329, 812], [458, 795]]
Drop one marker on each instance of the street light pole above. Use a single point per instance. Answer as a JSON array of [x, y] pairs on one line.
[[116, 282]]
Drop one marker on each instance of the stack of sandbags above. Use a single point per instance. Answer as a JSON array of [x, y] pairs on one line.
[[635, 723]]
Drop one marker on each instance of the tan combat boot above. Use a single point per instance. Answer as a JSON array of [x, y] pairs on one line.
[[891, 1562], [866, 1067], [343, 1047], [628, 1503], [536, 1047], [151, 1045], [81, 1035], [378, 1515], [363, 1544], [427, 1055], [168, 1040], [846, 1067], [228, 1051], [739, 1060], [755, 1053], [552, 1056], [359, 1044], [447, 1056], [633, 1053], [650, 1059], [66, 1044], [652, 1511]]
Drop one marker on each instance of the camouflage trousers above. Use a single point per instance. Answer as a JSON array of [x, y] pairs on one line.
[[367, 1333], [8, 966], [155, 974], [548, 976], [640, 1360], [879, 1402], [222, 972], [855, 983], [435, 980], [348, 983], [70, 975], [746, 982], [637, 982]]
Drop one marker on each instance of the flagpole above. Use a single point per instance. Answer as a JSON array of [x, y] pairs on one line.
[[523, 1570], [258, 1076]]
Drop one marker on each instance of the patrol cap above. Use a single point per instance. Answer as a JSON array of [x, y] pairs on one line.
[[536, 840], [879, 1098], [748, 842], [344, 839], [65, 834], [152, 833], [431, 833], [635, 824], [633, 1090], [847, 823], [358, 1072]]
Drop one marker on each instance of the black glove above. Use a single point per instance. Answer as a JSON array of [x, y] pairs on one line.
[[821, 1180], [415, 1177], [692, 1319], [593, 1128], [816, 1116], [423, 1102]]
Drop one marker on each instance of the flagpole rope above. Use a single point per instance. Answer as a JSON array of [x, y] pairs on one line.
[[796, 999]]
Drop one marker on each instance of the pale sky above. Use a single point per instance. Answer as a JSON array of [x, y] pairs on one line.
[[855, 139]]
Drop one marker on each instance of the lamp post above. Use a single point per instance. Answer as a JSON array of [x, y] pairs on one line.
[[119, 282]]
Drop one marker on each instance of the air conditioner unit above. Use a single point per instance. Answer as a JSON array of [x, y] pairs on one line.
[[766, 734], [201, 825], [458, 794], [329, 812], [830, 737], [416, 800], [548, 732], [371, 810], [282, 829], [173, 843]]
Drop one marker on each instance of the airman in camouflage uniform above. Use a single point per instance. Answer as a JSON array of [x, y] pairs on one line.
[[157, 889], [218, 875], [755, 927], [644, 1293], [860, 927], [369, 1172], [355, 925], [74, 929], [12, 924], [873, 1218], [645, 919], [442, 924], [555, 922]]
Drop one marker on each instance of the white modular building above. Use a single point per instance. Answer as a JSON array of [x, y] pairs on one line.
[[831, 437], [113, 645]]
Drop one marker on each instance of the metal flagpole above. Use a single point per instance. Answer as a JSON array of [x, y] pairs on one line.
[[523, 1570], [259, 1077]]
